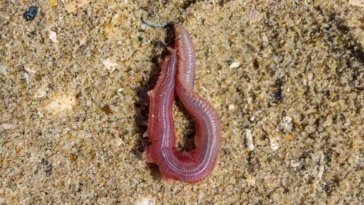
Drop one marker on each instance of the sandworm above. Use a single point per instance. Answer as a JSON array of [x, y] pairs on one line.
[[177, 77]]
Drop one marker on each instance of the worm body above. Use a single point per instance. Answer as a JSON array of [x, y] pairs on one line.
[[177, 76]]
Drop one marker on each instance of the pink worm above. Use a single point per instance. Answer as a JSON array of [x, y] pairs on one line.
[[195, 165]]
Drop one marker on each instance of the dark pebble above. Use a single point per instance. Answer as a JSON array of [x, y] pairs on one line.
[[277, 91], [143, 94], [30, 13]]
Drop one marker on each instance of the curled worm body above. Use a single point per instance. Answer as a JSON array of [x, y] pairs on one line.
[[177, 76]]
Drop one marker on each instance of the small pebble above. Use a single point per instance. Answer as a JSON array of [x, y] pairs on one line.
[[30, 13], [295, 164], [357, 3], [6, 126], [61, 102], [41, 92], [286, 124], [231, 107], [53, 2], [3, 70], [53, 36], [234, 65], [273, 144], [110, 66], [145, 201], [29, 68], [25, 76], [251, 181], [249, 140], [265, 38]]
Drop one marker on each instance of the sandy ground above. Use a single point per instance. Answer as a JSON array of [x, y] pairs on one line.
[[288, 74]]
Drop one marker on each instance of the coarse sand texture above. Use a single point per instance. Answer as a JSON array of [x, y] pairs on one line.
[[286, 79]]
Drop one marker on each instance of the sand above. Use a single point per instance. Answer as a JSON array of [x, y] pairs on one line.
[[286, 78]]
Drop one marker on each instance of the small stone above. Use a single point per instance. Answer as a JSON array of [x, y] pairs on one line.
[[41, 92], [251, 181], [288, 137], [274, 144], [249, 140], [231, 107], [71, 6], [61, 102], [145, 201], [295, 164], [6, 126], [83, 40], [110, 66], [30, 68], [357, 3], [265, 38], [3, 70], [107, 109], [53, 36], [359, 82], [53, 2], [30, 13], [25, 76], [286, 124], [234, 65]]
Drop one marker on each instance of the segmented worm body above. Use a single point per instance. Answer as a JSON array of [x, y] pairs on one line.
[[177, 76]]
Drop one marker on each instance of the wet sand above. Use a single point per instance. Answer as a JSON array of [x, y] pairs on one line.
[[286, 78]]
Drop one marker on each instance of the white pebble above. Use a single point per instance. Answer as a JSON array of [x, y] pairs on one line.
[[273, 144], [265, 38], [29, 68], [295, 164], [251, 181], [61, 102], [41, 92], [249, 140], [286, 124], [145, 201], [53, 36], [26, 76], [6, 126], [234, 65], [110, 66], [321, 158], [359, 3], [3, 70], [231, 107]]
